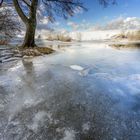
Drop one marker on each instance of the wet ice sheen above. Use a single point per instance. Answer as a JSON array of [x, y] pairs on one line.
[[89, 91]]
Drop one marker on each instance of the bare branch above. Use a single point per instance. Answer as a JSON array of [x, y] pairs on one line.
[[20, 11], [27, 3], [63, 8]]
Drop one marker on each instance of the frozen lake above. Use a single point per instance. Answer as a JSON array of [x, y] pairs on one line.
[[87, 91]]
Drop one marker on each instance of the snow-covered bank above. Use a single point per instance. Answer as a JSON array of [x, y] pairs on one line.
[[85, 35], [81, 35], [78, 36], [93, 35]]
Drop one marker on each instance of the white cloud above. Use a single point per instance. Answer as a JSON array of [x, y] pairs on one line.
[[123, 24], [120, 23]]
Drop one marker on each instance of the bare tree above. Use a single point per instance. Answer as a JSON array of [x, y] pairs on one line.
[[27, 10], [9, 25]]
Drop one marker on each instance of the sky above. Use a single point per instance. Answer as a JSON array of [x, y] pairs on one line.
[[98, 15], [125, 14]]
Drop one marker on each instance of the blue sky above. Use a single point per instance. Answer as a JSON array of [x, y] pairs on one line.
[[126, 12], [97, 14]]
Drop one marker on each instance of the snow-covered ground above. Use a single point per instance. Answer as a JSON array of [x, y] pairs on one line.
[[84, 35], [93, 35]]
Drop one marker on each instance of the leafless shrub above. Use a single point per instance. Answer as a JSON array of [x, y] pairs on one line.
[[9, 25]]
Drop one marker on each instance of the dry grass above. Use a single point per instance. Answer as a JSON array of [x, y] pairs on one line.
[[36, 51], [3, 42], [44, 50], [59, 37], [131, 45], [132, 36]]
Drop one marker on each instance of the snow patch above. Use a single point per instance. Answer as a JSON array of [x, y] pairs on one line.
[[86, 126], [76, 67], [38, 120], [93, 35], [69, 135]]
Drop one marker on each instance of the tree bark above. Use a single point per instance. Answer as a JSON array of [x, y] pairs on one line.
[[29, 40]]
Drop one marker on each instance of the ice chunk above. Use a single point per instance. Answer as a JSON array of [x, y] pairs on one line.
[[76, 67]]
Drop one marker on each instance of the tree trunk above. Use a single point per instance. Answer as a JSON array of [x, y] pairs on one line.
[[30, 22], [29, 40]]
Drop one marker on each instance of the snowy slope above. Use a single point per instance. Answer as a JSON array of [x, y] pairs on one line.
[[93, 35]]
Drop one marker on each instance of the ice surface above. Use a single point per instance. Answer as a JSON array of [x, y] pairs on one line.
[[64, 96], [84, 72]]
